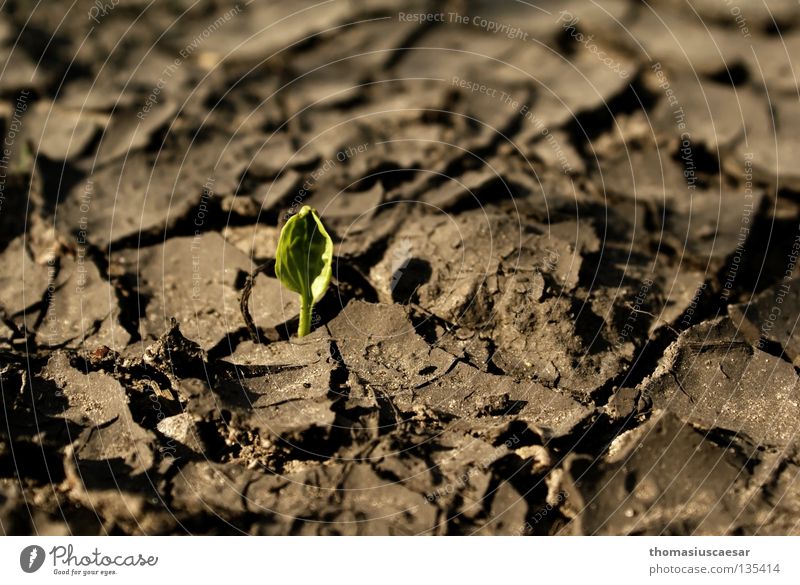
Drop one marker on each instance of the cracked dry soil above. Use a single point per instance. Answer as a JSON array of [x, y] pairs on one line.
[[564, 298]]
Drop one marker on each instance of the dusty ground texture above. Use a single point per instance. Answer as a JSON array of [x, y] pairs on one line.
[[565, 287]]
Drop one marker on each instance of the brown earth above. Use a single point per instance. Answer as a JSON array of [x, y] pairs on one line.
[[564, 293]]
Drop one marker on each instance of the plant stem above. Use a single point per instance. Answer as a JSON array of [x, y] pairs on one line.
[[305, 318]]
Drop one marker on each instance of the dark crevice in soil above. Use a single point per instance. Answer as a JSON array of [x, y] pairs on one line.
[[388, 173], [775, 349], [646, 359], [735, 75], [40, 464], [132, 304], [227, 345], [756, 268], [408, 44], [58, 177], [700, 165], [737, 442], [587, 126], [358, 286]]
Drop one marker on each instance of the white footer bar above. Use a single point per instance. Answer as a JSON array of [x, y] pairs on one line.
[[389, 561]]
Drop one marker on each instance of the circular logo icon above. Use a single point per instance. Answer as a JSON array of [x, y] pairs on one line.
[[31, 558]]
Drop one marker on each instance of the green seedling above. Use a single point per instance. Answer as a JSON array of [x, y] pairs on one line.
[[304, 261]]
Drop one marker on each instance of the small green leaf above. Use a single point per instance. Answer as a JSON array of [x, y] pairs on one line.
[[304, 261]]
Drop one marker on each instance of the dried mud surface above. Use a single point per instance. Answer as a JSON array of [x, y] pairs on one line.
[[565, 285]]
